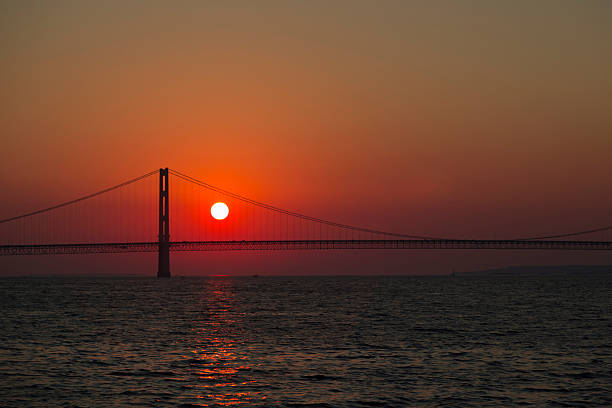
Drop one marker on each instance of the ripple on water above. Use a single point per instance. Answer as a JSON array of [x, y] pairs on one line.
[[338, 342]]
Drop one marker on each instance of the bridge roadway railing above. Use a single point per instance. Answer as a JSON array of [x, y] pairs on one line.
[[458, 244]]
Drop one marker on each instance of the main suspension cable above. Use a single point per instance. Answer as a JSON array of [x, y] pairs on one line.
[[279, 210], [355, 228], [570, 234], [106, 190], [294, 214]]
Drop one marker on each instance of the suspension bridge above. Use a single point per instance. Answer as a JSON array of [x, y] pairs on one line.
[[136, 215]]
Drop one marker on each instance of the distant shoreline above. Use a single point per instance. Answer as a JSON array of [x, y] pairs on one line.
[[540, 269]]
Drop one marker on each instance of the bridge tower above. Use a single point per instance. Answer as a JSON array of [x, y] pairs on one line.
[[163, 266]]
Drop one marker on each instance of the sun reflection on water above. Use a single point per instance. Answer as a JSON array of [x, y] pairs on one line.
[[219, 358]]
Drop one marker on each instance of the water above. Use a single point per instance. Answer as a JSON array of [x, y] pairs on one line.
[[307, 341]]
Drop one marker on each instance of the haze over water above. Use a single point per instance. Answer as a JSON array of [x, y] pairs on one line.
[[307, 341]]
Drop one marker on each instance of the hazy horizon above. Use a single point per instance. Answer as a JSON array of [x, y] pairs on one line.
[[456, 119]]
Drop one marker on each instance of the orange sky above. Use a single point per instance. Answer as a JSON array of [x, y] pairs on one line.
[[462, 119]]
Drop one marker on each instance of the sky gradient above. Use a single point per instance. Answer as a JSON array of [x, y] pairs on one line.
[[459, 119]]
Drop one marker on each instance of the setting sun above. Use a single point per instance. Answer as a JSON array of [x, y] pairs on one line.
[[219, 211]]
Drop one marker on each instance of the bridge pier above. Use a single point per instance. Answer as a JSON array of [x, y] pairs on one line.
[[163, 265]]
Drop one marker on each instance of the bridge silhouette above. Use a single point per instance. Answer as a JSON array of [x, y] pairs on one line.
[[137, 216]]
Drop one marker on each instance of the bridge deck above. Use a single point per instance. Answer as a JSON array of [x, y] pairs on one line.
[[117, 247]]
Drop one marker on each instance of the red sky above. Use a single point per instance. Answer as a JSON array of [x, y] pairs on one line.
[[460, 119]]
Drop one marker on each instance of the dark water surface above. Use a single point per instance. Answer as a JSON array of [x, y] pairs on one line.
[[307, 341]]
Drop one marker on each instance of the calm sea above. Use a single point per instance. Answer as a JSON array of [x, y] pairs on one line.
[[307, 341]]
